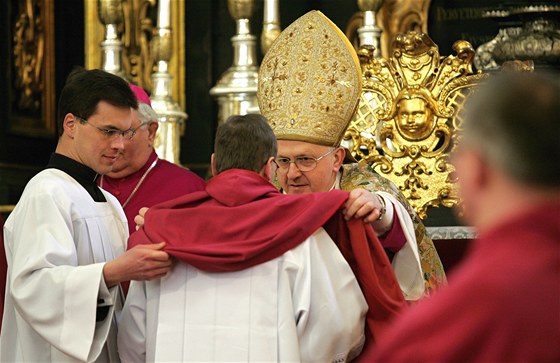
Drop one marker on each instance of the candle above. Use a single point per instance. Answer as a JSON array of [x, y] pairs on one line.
[[164, 14]]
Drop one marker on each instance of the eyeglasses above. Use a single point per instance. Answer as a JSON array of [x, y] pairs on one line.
[[111, 133], [303, 163], [135, 129]]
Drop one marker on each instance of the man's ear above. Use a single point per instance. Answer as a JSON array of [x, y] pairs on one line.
[[339, 155], [152, 129], [267, 170], [474, 173], [482, 170], [69, 125], [212, 166]]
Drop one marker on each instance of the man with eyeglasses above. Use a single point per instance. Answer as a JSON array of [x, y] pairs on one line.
[[66, 239], [309, 95], [138, 177]]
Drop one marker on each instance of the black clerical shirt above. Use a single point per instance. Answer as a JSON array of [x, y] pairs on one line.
[[81, 173]]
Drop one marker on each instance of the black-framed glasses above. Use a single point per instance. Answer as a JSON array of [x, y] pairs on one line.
[[111, 133], [303, 163]]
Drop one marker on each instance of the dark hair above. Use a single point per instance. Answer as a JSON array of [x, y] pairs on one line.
[[244, 142], [513, 120], [84, 89]]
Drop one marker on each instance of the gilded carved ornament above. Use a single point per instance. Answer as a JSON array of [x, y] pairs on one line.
[[142, 43], [392, 17], [399, 17], [407, 124], [29, 40], [128, 33], [33, 68], [138, 60]]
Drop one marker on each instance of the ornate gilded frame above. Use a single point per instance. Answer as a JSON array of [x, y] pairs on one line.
[[402, 16], [94, 33], [33, 81]]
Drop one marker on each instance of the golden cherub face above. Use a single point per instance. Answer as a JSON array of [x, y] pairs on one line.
[[415, 118]]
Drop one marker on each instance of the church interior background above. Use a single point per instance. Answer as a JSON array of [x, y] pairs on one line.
[[199, 60]]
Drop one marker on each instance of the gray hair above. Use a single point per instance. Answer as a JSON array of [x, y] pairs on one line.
[[513, 121], [146, 113]]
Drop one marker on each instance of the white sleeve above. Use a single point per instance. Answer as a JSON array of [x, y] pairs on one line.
[[406, 262], [132, 327], [332, 328], [50, 290]]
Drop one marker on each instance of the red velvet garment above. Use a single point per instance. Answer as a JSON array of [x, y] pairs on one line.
[[242, 220], [393, 240], [502, 304], [164, 182]]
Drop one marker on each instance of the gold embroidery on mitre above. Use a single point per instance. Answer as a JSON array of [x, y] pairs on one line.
[[310, 82]]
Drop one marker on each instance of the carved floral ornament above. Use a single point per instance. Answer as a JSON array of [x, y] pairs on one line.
[[407, 124]]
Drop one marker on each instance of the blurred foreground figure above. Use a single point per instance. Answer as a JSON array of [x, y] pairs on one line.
[[503, 303]]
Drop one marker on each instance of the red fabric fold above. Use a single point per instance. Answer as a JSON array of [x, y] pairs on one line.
[[362, 250], [241, 220]]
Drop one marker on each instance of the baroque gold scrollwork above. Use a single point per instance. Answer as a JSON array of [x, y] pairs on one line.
[[29, 48], [138, 34], [407, 121], [33, 69], [129, 18], [138, 59]]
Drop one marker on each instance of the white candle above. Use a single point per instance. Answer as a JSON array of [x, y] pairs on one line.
[[164, 14]]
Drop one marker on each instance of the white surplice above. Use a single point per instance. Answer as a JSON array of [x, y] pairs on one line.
[[406, 262], [57, 240], [305, 305]]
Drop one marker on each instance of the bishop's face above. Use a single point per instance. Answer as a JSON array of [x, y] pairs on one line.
[[414, 119], [320, 179], [137, 150]]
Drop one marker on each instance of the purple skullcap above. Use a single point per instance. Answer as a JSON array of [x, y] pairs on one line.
[[140, 94]]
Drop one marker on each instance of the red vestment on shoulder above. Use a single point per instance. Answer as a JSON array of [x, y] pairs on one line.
[[163, 182], [241, 220]]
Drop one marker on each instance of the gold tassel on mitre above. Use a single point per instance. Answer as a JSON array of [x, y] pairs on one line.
[[310, 82]]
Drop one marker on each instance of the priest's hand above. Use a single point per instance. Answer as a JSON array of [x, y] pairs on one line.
[[139, 219], [142, 262]]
